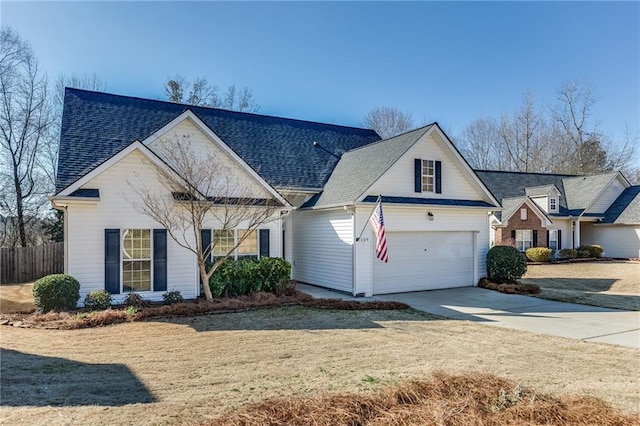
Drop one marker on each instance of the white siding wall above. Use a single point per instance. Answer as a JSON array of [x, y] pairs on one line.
[[607, 197], [542, 202], [114, 210], [617, 240], [86, 225], [414, 219], [322, 243], [456, 183], [566, 236], [203, 146]]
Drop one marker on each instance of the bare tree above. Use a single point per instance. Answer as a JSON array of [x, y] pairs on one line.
[[199, 190], [48, 160], [388, 121], [24, 122], [202, 93], [480, 144]]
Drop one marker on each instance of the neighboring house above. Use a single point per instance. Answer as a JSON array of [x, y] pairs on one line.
[[325, 177], [565, 211]]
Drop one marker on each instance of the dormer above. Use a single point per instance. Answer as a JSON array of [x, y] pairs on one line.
[[547, 197]]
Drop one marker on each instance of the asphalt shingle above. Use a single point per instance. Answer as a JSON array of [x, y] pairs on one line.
[[95, 126], [625, 210]]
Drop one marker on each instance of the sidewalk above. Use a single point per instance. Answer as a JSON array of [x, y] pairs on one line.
[[580, 322]]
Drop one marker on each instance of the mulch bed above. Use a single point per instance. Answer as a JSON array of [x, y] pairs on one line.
[[84, 319], [470, 399], [518, 288]]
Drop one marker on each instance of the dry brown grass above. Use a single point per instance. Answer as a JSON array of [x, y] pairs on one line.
[[519, 288], [81, 319], [470, 399], [16, 298], [610, 284], [190, 370]]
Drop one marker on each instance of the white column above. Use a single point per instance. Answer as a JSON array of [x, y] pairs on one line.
[[576, 234]]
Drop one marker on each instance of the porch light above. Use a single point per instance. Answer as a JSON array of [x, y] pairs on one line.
[[430, 215]]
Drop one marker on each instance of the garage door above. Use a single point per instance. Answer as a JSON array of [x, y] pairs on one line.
[[425, 261]]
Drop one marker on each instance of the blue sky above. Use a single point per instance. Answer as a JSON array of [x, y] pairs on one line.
[[332, 62]]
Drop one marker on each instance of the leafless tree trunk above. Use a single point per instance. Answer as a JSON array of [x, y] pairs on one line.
[[202, 190], [202, 93], [24, 122]]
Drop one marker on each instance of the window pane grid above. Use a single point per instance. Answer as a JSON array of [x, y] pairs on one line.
[[223, 242], [524, 239], [136, 263], [250, 245], [428, 175]]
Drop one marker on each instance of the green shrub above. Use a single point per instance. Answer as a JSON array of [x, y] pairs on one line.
[[172, 297], [596, 250], [505, 264], [135, 300], [246, 276], [583, 252], [98, 300], [57, 292], [568, 253], [274, 275], [539, 254]]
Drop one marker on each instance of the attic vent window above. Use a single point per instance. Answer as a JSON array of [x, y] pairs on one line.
[[428, 175], [553, 204], [523, 214]]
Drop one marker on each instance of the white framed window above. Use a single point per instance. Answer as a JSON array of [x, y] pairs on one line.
[[523, 214], [136, 260], [553, 204], [249, 247], [428, 175], [553, 239], [524, 239], [224, 241]]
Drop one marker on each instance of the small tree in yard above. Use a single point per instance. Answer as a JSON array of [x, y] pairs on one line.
[[203, 190]]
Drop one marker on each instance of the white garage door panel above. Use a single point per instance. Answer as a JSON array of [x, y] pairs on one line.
[[425, 261]]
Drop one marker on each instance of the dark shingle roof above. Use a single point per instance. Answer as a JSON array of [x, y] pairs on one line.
[[95, 126], [428, 201], [625, 210], [513, 184], [86, 193], [358, 169], [581, 191]]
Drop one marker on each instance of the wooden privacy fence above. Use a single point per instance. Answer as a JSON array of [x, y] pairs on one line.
[[23, 264]]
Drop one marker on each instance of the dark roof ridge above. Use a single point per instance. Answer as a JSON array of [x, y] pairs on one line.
[[188, 106], [392, 137]]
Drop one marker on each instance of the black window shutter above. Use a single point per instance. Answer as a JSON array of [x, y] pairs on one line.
[[535, 239], [159, 260], [548, 241], [438, 177], [112, 260], [559, 239], [264, 243], [206, 241], [418, 174], [513, 235]]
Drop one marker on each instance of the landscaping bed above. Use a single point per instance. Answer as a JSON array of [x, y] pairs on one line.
[[86, 319]]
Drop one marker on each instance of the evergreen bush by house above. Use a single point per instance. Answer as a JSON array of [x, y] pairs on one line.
[[539, 254], [58, 292], [505, 264], [97, 300]]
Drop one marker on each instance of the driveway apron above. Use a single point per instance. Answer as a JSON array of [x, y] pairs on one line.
[[573, 321]]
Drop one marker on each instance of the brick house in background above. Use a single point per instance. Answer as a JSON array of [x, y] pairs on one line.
[[565, 211]]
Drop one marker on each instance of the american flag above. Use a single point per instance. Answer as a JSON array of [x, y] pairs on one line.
[[377, 223]]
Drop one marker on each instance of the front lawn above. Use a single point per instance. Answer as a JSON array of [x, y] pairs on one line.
[[610, 284], [192, 369]]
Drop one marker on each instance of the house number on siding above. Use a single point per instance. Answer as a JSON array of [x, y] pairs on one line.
[[364, 240]]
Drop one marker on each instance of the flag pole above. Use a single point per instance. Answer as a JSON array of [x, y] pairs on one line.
[[379, 200]]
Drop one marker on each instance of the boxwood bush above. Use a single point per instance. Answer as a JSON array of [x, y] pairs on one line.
[[505, 264], [97, 300], [246, 276], [539, 254], [58, 292], [568, 253]]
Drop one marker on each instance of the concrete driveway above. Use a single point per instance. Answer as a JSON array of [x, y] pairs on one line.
[[580, 322]]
